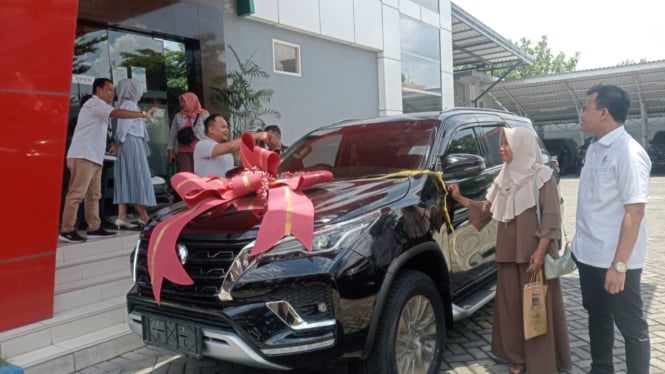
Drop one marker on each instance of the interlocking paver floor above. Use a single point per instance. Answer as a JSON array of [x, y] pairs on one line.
[[468, 344]]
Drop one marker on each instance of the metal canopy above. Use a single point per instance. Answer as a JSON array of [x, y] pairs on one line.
[[559, 98], [477, 47]]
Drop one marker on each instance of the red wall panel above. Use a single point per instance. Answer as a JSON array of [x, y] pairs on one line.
[[33, 143], [25, 295], [36, 45], [37, 42]]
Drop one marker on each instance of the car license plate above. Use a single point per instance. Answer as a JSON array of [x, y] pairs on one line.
[[172, 334]]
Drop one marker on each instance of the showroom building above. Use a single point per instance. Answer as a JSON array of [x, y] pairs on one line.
[[328, 60]]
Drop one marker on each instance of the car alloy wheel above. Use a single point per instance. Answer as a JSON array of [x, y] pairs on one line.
[[415, 343], [412, 329]]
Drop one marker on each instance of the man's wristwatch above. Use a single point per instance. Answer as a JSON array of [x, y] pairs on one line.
[[145, 115], [620, 267]]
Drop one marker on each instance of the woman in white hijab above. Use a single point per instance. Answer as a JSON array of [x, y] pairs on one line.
[[132, 178], [521, 245]]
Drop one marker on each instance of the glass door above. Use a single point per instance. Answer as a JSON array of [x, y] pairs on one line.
[[141, 58], [158, 65]]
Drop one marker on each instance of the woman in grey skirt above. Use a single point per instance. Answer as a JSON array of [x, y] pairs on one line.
[[132, 179]]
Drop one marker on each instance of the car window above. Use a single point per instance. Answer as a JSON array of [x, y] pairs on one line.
[[360, 150], [492, 138], [330, 145], [515, 123], [464, 141]]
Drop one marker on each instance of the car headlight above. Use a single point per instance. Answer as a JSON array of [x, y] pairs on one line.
[[327, 239]]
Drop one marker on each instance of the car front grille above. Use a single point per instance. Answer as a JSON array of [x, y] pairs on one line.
[[207, 264]]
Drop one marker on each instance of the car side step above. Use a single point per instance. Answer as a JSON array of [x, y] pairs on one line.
[[469, 306]]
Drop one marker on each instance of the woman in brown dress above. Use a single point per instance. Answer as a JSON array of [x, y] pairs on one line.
[[521, 245]]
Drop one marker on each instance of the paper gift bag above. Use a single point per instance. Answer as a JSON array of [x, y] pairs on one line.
[[534, 312]]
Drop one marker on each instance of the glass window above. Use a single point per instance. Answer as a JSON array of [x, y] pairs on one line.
[[353, 151], [329, 145], [492, 135], [286, 57], [91, 60], [421, 66], [430, 4], [419, 74], [141, 58], [421, 85], [420, 39], [464, 141], [420, 102], [116, 54]]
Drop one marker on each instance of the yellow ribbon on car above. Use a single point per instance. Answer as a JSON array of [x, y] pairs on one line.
[[439, 177]]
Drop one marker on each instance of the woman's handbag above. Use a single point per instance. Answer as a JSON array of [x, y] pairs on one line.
[[534, 311], [555, 267], [186, 135]]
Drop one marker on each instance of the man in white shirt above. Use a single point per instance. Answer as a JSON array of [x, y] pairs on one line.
[[85, 159], [611, 231], [213, 154]]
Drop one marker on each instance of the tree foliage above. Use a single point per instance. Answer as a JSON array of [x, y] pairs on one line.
[[82, 46], [169, 63], [153, 61], [176, 77], [242, 105], [545, 62], [176, 69]]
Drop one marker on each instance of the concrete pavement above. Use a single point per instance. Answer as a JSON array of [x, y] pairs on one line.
[[468, 344]]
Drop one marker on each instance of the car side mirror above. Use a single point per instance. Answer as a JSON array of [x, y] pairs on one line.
[[462, 165]]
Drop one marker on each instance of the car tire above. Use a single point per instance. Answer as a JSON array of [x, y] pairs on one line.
[[411, 331]]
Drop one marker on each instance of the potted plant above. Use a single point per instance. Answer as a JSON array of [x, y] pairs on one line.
[[243, 106]]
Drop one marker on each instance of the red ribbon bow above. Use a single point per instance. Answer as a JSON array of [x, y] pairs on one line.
[[289, 211]]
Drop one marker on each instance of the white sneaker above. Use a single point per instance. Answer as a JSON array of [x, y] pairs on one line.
[[124, 224]]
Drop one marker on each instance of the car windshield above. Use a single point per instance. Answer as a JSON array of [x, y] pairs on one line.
[[363, 149]]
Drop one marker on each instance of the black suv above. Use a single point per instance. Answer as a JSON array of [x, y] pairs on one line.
[[656, 151], [387, 275], [566, 151]]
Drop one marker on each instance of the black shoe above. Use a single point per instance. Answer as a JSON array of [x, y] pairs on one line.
[[99, 233], [106, 225], [71, 237]]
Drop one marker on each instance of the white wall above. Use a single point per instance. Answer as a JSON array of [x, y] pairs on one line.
[[337, 81], [366, 24]]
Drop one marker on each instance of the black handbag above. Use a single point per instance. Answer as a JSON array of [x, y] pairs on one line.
[[186, 135]]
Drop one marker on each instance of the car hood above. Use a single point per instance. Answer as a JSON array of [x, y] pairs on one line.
[[333, 202]]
